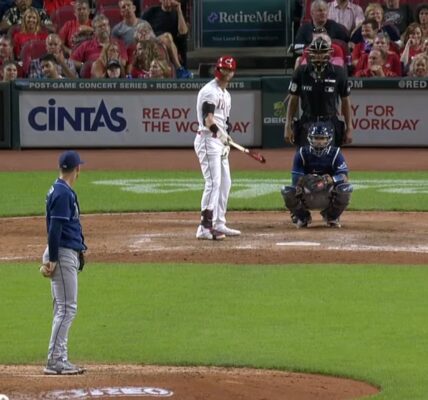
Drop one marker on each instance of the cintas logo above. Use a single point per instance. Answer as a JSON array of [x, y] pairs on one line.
[[89, 119]]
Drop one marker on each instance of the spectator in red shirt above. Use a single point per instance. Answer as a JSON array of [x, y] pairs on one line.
[[382, 42], [79, 29], [90, 50], [6, 55], [148, 48], [376, 68], [412, 44], [31, 29], [368, 31]]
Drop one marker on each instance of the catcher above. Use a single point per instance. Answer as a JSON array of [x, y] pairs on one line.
[[319, 180]]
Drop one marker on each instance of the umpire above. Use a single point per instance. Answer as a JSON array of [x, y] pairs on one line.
[[319, 85]]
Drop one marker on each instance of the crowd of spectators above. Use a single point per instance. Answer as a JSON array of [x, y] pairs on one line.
[[36, 42], [383, 38]]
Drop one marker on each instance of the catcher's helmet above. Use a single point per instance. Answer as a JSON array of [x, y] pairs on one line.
[[320, 136], [226, 62], [319, 52]]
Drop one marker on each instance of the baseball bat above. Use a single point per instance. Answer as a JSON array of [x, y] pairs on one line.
[[257, 156]]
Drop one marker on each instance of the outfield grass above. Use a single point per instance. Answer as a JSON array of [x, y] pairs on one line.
[[367, 322], [23, 193]]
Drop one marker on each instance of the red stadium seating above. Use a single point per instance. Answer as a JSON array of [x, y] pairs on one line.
[[145, 4], [101, 4], [31, 50], [113, 15], [62, 15], [85, 70]]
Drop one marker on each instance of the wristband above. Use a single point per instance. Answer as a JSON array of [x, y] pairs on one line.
[[214, 129]]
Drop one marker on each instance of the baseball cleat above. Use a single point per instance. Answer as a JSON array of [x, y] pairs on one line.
[[228, 231], [303, 223], [334, 223], [209, 234], [63, 368], [331, 223]]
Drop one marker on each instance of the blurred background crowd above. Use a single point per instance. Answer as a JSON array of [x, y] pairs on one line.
[[56, 39]]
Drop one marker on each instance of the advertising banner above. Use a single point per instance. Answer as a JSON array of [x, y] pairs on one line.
[[384, 112], [244, 23], [124, 119]]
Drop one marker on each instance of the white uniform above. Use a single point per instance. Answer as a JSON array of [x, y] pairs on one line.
[[215, 168]]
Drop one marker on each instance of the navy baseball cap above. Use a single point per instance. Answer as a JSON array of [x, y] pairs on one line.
[[69, 159]]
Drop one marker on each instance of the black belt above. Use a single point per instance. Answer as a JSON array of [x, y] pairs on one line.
[[317, 118]]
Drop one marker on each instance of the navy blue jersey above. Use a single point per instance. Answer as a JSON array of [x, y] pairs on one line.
[[62, 206], [306, 162]]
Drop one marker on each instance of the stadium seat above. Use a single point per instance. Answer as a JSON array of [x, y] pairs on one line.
[[85, 70], [51, 6], [62, 15], [101, 4], [113, 15], [31, 50], [145, 4], [12, 30]]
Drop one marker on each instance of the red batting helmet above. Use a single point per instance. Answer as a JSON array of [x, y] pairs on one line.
[[227, 62]]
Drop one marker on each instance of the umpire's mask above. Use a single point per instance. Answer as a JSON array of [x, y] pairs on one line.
[[319, 52]]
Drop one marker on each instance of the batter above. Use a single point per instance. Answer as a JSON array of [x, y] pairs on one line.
[[212, 148]]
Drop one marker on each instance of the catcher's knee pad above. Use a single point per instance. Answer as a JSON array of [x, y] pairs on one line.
[[289, 195], [342, 193]]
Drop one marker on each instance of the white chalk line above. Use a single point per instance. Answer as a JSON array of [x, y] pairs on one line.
[[146, 244], [357, 247], [14, 258], [298, 244]]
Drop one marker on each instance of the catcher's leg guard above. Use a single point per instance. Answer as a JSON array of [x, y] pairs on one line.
[[340, 198], [294, 203]]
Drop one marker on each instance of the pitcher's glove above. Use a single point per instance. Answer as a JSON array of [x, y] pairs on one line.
[[81, 260], [312, 183]]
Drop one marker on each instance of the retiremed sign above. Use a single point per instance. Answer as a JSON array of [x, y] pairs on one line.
[[243, 23]]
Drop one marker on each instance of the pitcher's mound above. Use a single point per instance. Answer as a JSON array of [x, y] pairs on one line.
[[178, 383]]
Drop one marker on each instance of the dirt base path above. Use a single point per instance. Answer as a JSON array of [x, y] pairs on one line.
[[267, 238]]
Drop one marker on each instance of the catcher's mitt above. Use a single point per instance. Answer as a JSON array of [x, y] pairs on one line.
[[312, 183]]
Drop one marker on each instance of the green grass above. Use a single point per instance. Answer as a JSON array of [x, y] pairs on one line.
[[23, 193], [366, 322]]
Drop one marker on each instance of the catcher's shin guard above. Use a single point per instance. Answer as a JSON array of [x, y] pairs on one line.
[[341, 196], [294, 203]]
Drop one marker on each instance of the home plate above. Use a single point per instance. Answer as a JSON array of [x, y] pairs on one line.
[[298, 244]]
